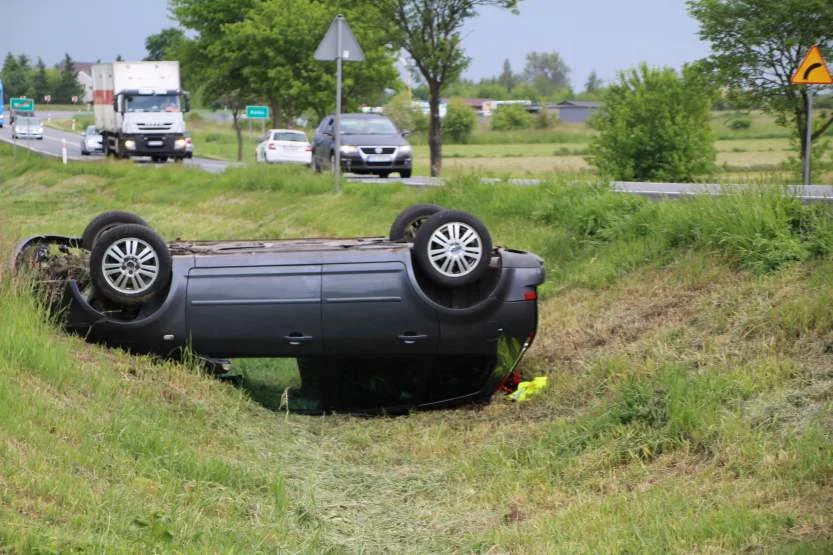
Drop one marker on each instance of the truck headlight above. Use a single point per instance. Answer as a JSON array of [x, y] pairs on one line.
[[349, 150], [179, 144], [130, 144]]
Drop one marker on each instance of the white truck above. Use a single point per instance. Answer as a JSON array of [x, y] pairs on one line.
[[138, 109]]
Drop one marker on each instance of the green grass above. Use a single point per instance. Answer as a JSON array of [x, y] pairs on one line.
[[687, 344], [742, 155]]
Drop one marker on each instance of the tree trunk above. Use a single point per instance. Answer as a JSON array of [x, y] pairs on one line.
[[235, 114], [435, 130], [277, 116]]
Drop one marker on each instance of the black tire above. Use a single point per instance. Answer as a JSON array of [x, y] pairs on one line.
[[119, 271], [384, 175], [84, 153], [405, 174], [408, 222], [459, 258], [104, 222]]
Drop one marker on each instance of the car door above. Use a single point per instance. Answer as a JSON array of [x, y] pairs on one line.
[[370, 308], [255, 308]]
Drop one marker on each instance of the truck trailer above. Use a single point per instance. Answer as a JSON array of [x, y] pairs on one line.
[[139, 109]]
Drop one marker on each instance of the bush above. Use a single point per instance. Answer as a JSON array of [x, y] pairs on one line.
[[654, 124], [545, 119], [511, 116], [739, 124], [405, 115], [459, 122]]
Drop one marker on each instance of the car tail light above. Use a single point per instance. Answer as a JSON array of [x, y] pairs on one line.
[[531, 295], [309, 148], [188, 141], [272, 146]]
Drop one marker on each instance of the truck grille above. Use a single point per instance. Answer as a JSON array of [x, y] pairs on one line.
[[155, 126]]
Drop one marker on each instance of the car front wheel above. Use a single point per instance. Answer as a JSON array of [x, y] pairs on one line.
[[130, 264]]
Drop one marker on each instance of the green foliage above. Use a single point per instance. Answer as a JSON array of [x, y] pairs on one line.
[[546, 72], [404, 114], [654, 124], [757, 45], [511, 116], [164, 44], [68, 85], [459, 121], [544, 119], [740, 123]]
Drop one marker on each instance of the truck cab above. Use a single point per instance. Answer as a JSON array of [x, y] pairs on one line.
[[139, 109]]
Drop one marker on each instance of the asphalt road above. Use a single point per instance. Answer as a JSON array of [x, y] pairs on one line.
[[53, 140]]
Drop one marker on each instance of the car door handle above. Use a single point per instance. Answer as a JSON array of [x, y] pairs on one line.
[[296, 338], [409, 338]]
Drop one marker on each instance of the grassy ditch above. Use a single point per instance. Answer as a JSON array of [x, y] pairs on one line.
[[690, 407]]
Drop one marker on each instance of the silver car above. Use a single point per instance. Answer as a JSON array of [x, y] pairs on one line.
[[27, 128], [91, 141]]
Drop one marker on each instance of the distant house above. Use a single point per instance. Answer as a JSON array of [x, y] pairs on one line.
[[574, 111]]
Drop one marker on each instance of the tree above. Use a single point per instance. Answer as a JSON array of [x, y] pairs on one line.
[[459, 122], [25, 71], [593, 83], [429, 31], [546, 71], [279, 39], [164, 43], [758, 44], [401, 110], [40, 81], [507, 77], [68, 85], [654, 124], [119, 58], [10, 75]]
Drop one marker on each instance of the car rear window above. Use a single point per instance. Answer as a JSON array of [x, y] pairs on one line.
[[288, 136]]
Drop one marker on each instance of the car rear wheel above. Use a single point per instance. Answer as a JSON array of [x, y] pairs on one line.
[[104, 222], [453, 248], [408, 222], [130, 264]]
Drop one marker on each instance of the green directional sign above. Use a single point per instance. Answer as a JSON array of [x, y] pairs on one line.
[[22, 104], [257, 112]]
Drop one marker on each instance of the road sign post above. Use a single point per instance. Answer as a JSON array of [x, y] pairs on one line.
[[811, 71], [340, 45], [257, 112]]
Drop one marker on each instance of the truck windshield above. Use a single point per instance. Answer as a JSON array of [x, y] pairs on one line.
[[153, 103]]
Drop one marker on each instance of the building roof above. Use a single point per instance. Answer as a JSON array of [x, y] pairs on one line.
[[579, 104]]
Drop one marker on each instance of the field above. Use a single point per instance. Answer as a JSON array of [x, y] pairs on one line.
[[762, 153], [690, 407]]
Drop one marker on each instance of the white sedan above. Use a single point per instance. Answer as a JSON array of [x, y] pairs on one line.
[[285, 146]]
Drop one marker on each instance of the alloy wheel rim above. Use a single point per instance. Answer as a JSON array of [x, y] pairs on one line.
[[130, 266], [455, 249]]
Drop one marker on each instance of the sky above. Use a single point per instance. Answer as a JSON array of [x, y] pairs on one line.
[[603, 35]]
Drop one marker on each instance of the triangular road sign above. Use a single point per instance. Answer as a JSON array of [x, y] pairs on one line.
[[812, 70], [350, 49]]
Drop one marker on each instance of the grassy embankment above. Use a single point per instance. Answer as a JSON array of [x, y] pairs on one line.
[[690, 405]]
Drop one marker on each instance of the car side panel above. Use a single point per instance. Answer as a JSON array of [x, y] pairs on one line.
[[371, 308], [255, 310]]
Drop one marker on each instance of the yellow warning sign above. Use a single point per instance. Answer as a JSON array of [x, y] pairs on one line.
[[812, 70]]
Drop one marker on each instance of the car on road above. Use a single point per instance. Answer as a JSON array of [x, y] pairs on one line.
[[91, 141], [14, 114], [284, 146], [370, 144], [430, 315], [27, 128]]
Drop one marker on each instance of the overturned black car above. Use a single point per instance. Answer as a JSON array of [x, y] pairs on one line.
[[433, 315]]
